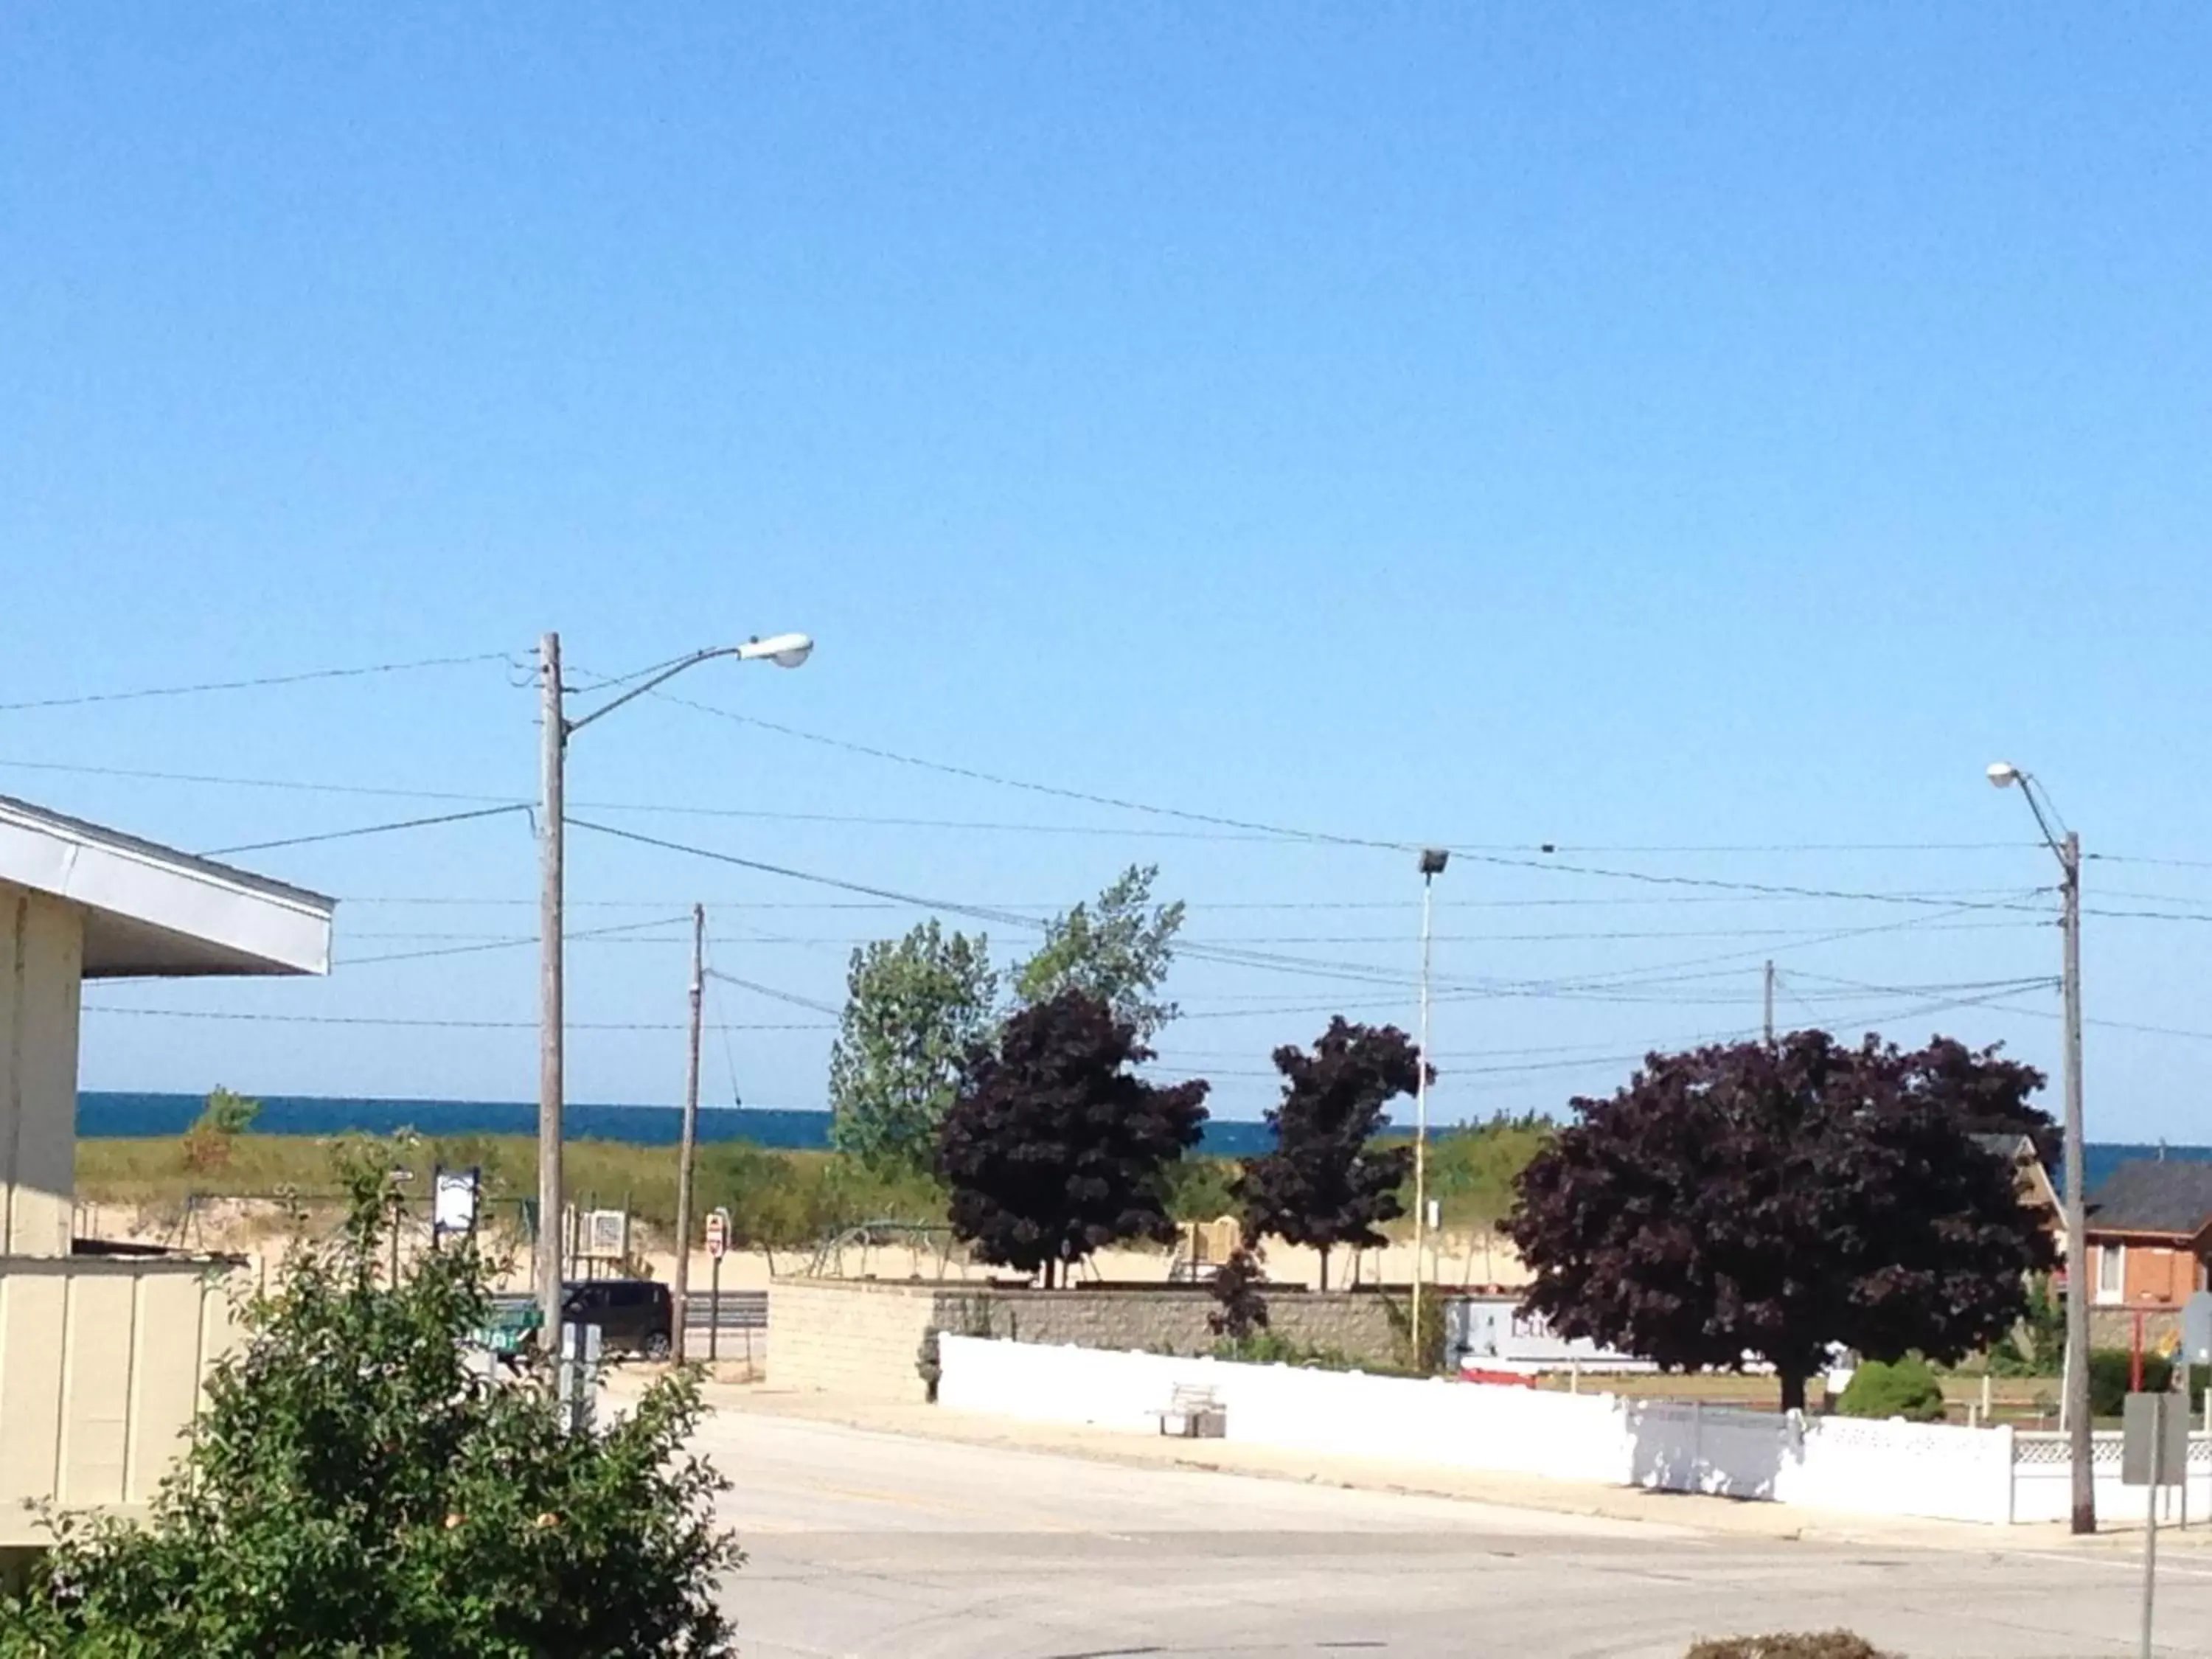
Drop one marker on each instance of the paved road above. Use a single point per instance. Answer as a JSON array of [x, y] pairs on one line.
[[896, 1547]]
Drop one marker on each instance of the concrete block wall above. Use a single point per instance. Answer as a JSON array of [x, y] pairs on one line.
[[1355, 1323], [848, 1336]]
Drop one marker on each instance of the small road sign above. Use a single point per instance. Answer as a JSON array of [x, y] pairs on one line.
[[718, 1234], [2155, 1444], [2197, 1328]]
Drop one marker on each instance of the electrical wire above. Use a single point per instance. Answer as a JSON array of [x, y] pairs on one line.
[[423, 1024], [976, 776], [299, 786], [369, 830], [253, 684], [508, 943], [793, 997]]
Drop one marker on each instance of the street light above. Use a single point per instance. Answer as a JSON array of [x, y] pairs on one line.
[[2068, 847], [1433, 860], [785, 651]]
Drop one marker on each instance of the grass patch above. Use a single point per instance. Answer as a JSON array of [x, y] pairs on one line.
[[775, 1197]]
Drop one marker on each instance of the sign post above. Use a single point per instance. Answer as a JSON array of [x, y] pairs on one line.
[[2195, 1350], [2153, 1453], [717, 1246]]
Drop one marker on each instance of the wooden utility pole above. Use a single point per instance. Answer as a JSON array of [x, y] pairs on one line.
[[1770, 1002], [2079, 1283], [688, 1142], [551, 809]]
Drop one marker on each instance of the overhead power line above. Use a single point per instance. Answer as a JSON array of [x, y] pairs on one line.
[[425, 1025], [771, 991], [252, 684], [369, 830], [999, 779], [512, 942]]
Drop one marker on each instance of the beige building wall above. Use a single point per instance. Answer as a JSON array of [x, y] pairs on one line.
[[41, 969], [103, 1361]]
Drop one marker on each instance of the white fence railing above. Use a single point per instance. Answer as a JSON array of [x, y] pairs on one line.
[[2043, 1487]]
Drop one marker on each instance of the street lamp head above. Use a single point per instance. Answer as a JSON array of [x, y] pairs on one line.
[[2004, 773], [1433, 860], [784, 650]]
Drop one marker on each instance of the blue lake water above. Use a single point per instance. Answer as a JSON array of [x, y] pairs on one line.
[[109, 1116], [105, 1116]]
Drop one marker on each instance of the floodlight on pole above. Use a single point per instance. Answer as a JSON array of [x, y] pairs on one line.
[[785, 651], [2075, 1393], [1433, 860]]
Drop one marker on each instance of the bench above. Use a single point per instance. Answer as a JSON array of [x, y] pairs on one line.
[[1193, 1412]]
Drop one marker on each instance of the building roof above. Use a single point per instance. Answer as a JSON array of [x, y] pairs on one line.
[[2152, 1196], [153, 911]]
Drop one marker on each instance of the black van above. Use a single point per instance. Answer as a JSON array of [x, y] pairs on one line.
[[634, 1316]]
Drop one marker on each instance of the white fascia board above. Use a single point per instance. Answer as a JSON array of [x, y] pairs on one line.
[[283, 929]]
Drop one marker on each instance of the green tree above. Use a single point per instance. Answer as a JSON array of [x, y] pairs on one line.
[[354, 1487], [224, 1117], [1117, 949], [915, 1008]]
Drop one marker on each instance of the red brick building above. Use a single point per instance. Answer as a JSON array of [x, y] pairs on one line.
[[2147, 1234]]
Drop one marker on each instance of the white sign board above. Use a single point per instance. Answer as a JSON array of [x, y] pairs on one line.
[[607, 1234], [718, 1234], [2154, 1447], [453, 1201], [2197, 1328]]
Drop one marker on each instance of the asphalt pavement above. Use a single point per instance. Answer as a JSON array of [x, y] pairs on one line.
[[881, 1545]]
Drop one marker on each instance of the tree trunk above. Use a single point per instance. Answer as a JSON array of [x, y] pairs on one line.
[[1793, 1390], [1323, 1251]]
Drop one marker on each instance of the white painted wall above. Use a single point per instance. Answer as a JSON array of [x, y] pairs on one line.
[[1876, 1468], [41, 962]]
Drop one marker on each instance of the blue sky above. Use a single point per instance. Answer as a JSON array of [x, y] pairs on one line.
[[1646, 428]]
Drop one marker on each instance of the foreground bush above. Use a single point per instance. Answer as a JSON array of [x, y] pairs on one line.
[[1906, 1389], [354, 1489], [1828, 1644]]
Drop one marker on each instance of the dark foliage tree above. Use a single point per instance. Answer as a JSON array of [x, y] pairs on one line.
[[1989, 1092], [355, 1487], [1325, 1183], [1240, 1307], [1739, 1200], [1054, 1148]]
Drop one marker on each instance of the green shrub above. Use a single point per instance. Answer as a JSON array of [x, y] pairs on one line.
[[1266, 1347], [2036, 1347], [1906, 1389], [354, 1487], [1828, 1644], [2109, 1371]]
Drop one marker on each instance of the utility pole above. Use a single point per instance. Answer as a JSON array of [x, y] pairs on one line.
[[550, 827], [2078, 1283], [1433, 860], [1770, 1002], [688, 1143]]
